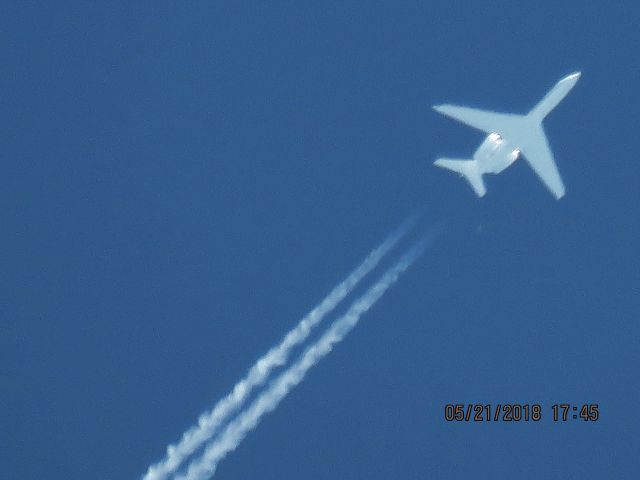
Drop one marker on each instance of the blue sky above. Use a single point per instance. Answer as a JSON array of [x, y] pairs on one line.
[[181, 182]]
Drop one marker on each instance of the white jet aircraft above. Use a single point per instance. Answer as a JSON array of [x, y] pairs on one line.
[[510, 135]]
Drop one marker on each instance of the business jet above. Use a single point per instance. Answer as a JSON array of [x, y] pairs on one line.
[[509, 136]]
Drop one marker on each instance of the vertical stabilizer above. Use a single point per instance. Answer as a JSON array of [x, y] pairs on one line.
[[554, 97], [466, 168]]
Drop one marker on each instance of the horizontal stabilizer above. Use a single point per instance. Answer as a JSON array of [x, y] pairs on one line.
[[466, 168]]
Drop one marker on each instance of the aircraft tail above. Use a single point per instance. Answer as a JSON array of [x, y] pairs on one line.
[[554, 97], [466, 168]]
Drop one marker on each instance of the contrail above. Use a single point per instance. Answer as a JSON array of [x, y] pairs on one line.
[[247, 420], [210, 421]]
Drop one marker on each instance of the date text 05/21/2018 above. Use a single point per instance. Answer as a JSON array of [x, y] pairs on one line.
[[519, 412]]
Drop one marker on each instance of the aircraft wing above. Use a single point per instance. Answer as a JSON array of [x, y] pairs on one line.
[[489, 122], [535, 148]]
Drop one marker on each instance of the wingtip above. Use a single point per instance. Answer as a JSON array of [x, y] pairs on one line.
[[439, 163], [559, 193], [442, 109], [574, 77]]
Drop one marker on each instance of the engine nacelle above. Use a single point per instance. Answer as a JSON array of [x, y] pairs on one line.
[[495, 154]]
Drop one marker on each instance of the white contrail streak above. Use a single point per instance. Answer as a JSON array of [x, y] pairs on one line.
[[247, 420], [210, 421]]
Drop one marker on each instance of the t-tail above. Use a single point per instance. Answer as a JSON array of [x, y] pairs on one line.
[[467, 169]]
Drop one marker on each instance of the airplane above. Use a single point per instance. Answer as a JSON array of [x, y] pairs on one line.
[[509, 136]]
